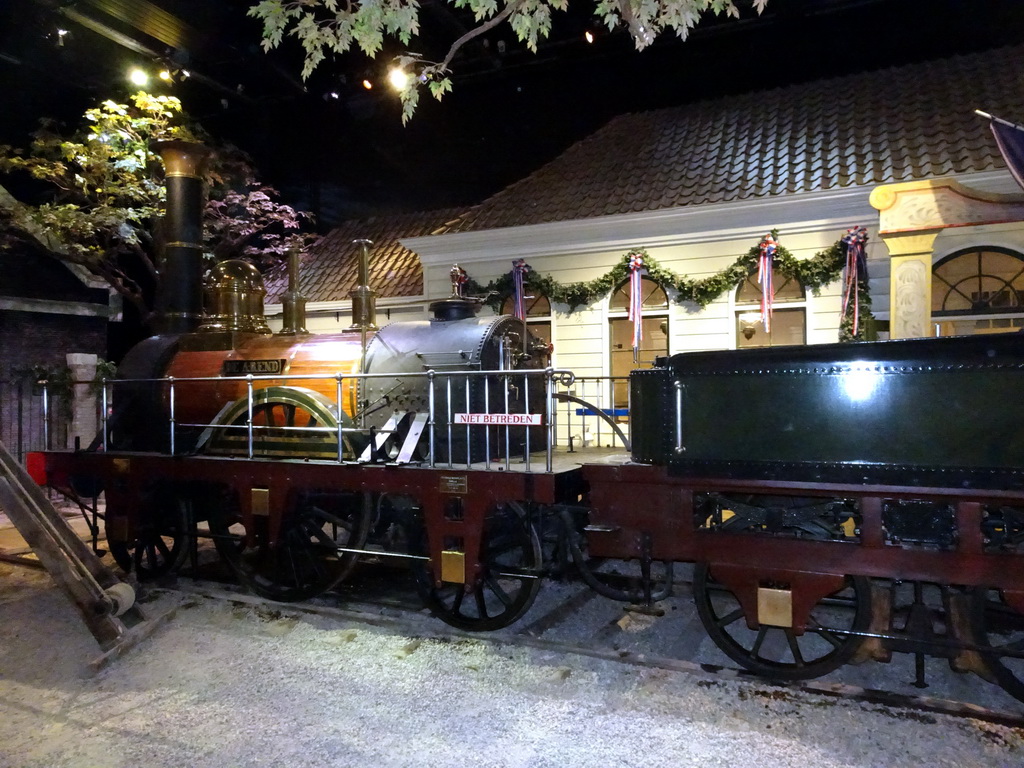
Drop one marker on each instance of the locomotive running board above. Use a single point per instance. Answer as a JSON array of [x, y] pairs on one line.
[[105, 603]]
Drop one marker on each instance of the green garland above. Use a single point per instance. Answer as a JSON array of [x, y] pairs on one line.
[[813, 274]]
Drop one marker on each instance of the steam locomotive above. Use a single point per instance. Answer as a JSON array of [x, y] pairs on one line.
[[837, 503]]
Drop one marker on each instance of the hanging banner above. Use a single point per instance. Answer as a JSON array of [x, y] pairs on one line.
[[1010, 139]]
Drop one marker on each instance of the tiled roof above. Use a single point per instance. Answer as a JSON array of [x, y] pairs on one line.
[[897, 124], [329, 269]]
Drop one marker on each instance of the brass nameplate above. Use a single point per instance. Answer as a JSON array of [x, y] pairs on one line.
[[454, 484], [260, 501], [774, 607], [453, 567], [254, 367]]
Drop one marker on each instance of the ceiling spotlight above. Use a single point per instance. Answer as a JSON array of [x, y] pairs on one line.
[[138, 77], [368, 85], [588, 36], [398, 78]]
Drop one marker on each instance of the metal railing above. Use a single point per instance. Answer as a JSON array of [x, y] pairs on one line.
[[581, 426], [472, 417], [31, 417]]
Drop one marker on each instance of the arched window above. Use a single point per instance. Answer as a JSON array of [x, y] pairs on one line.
[[789, 313], [538, 314], [978, 290], [654, 314]]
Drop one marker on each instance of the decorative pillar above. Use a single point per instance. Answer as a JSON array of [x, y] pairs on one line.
[[84, 424], [911, 215], [910, 284]]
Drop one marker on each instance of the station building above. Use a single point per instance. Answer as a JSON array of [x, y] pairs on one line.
[[898, 151]]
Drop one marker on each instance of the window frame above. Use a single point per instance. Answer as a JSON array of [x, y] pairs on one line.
[[613, 314], [973, 311], [779, 306]]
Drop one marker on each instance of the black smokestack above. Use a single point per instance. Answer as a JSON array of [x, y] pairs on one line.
[[179, 301]]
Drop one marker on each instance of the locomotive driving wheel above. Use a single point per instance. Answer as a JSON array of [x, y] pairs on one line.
[[286, 422], [1000, 628], [511, 557], [778, 652], [304, 561], [160, 543]]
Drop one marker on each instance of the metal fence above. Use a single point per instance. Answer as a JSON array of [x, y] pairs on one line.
[[593, 412], [31, 418], [587, 412], [469, 417]]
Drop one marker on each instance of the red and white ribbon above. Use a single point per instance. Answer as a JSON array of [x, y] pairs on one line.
[[764, 278], [519, 270], [459, 278], [856, 270], [636, 299]]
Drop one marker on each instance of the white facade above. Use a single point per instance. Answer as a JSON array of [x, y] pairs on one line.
[[696, 241]]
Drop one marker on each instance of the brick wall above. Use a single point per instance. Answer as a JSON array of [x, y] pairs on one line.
[[35, 338]]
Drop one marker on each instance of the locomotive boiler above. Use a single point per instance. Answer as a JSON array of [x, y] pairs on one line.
[[299, 379]]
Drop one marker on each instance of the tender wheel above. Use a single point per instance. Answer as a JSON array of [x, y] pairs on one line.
[[776, 651], [1001, 629], [304, 562], [160, 545], [511, 558]]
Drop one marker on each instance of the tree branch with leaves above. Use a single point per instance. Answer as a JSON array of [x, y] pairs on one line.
[[100, 195], [325, 27]]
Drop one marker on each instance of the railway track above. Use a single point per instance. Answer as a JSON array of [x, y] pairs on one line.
[[569, 618], [577, 622]]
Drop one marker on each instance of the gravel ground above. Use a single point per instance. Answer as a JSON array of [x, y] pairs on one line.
[[227, 685]]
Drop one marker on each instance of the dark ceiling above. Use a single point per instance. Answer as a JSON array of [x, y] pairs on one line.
[[342, 151]]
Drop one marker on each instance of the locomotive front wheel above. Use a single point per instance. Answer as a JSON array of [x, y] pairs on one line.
[[1000, 629], [778, 652], [160, 544], [305, 560], [511, 557]]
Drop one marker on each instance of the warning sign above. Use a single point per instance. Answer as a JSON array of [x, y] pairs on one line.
[[501, 419]]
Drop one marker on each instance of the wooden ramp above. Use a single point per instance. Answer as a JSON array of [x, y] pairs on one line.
[[105, 603]]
